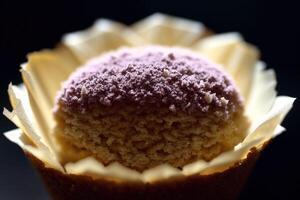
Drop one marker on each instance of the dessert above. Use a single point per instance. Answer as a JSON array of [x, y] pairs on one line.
[[148, 106], [146, 122]]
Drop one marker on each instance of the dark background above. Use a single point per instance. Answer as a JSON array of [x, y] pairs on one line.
[[28, 26]]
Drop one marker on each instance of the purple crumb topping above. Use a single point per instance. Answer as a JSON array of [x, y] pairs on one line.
[[175, 78]]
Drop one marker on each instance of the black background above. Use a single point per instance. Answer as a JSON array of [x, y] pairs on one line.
[[28, 26]]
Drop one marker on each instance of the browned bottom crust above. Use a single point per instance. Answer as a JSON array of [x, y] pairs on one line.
[[223, 185]]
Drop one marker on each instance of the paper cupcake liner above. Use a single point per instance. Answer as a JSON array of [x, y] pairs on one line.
[[222, 185], [45, 70]]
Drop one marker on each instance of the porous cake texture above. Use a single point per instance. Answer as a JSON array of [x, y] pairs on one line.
[[147, 106]]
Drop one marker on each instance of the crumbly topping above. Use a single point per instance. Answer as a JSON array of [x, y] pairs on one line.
[[154, 76]]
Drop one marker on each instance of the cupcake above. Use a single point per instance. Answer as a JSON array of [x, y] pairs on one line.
[[147, 106], [158, 110]]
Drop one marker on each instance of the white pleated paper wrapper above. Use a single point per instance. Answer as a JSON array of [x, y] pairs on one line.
[[33, 101]]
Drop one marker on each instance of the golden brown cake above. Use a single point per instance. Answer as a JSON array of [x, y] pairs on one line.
[[146, 122], [147, 106]]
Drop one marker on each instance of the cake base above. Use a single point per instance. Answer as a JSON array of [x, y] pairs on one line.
[[221, 185]]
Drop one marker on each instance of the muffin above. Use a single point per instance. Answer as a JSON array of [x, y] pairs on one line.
[[146, 122], [147, 106]]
